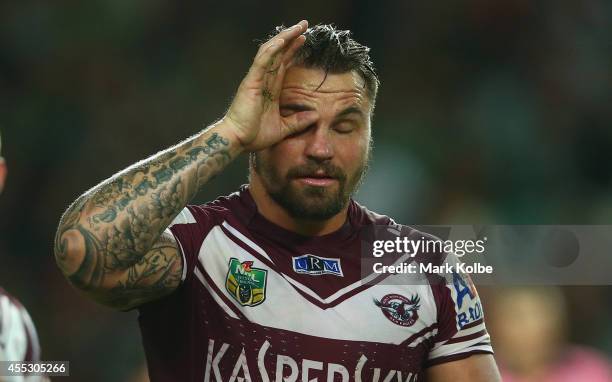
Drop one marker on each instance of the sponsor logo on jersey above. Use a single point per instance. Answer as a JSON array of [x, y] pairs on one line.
[[467, 302], [315, 265], [245, 283], [399, 309], [288, 368]]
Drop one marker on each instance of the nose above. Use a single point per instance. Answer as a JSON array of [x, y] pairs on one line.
[[318, 144]]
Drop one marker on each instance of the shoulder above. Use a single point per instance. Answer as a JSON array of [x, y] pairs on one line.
[[214, 212], [9, 306], [18, 338], [361, 216], [390, 240]]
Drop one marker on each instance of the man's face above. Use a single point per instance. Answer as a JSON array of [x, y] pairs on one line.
[[312, 174]]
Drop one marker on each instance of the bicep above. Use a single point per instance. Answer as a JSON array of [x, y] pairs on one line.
[[156, 274], [475, 368]]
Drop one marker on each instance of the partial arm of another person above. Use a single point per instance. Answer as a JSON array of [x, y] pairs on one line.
[[111, 244]]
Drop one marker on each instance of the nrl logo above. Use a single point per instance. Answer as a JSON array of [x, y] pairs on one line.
[[400, 310], [246, 284]]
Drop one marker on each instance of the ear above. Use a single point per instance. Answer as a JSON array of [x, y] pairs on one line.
[[3, 172]]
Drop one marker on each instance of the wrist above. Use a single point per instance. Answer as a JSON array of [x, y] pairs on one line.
[[225, 130], [235, 131]]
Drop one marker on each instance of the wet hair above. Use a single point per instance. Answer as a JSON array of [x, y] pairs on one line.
[[335, 51]]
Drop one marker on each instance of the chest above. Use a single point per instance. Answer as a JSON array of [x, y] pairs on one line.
[[251, 304]]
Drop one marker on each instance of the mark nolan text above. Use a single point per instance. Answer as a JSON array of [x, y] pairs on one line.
[[430, 268]]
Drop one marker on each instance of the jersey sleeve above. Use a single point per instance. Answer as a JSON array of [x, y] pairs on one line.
[[461, 326], [189, 228], [18, 337]]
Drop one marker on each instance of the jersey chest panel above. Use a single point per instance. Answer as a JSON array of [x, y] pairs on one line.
[[261, 324]]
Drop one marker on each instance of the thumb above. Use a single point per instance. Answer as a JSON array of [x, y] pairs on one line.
[[299, 121]]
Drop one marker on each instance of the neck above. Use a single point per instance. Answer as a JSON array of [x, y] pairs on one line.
[[273, 212]]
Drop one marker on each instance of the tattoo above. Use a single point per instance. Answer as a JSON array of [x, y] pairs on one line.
[[155, 273], [122, 191], [118, 225], [273, 71], [267, 95]]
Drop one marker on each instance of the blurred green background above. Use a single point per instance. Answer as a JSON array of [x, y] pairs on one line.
[[492, 112]]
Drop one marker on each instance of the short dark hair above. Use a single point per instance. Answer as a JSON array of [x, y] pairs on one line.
[[335, 51]]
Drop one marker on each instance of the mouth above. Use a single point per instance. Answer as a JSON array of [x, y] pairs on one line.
[[317, 180]]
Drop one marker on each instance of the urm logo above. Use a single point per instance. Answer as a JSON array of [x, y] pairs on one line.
[[316, 266]]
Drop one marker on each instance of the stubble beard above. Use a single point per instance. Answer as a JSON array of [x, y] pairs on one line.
[[307, 202]]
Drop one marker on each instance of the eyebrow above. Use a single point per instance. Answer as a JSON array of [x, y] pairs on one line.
[[351, 110], [296, 107]]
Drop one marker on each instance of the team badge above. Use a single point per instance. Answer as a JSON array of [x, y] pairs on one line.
[[400, 310], [245, 283], [315, 265]]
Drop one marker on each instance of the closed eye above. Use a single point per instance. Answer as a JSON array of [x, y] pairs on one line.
[[284, 112], [345, 126]]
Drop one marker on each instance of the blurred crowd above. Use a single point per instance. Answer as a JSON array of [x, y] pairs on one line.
[[489, 112]]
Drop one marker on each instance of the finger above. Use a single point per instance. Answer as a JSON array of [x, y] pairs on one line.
[[275, 41], [291, 49], [271, 49], [264, 62], [299, 121], [285, 63], [275, 68], [277, 77], [294, 31], [286, 35]]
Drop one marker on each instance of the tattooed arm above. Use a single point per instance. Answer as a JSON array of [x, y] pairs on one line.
[[111, 242]]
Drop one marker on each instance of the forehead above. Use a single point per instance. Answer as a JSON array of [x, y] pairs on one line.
[[313, 85]]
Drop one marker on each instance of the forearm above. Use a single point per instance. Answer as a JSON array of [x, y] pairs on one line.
[[112, 226]]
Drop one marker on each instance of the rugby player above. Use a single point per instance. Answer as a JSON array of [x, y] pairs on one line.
[[265, 284], [18, 337]]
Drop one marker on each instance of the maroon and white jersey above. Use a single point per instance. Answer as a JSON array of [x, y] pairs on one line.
[[260, 303], [18, 338]]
